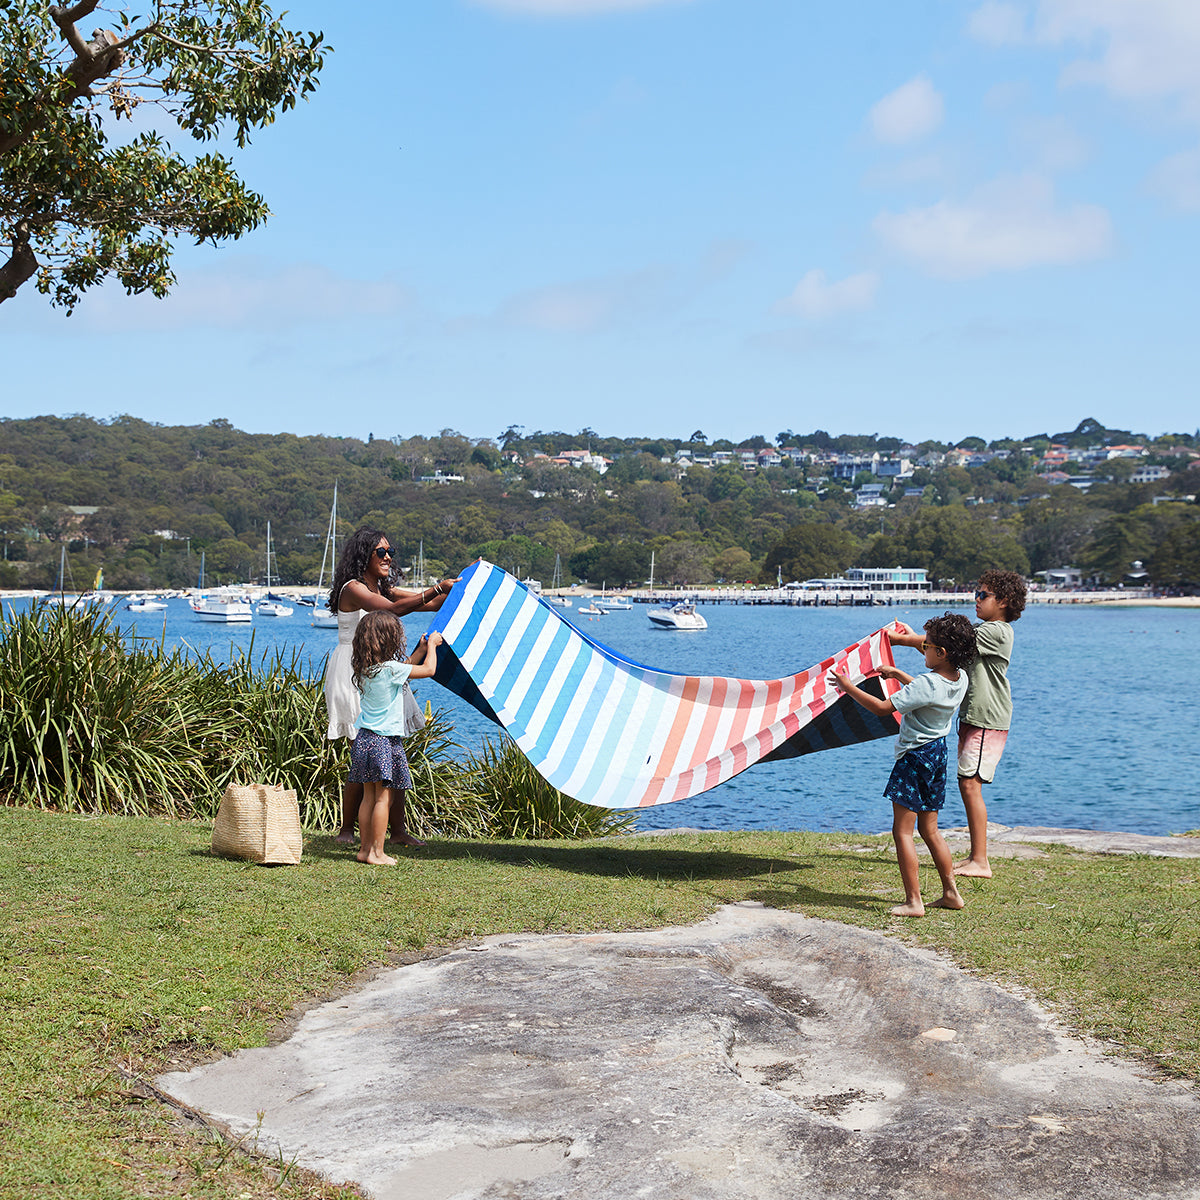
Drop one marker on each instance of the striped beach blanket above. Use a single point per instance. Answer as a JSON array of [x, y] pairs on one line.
[[614, 733]]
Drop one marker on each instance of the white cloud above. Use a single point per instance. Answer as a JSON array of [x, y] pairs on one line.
[[570, 8], [583, 307], [1053, 142], [910, 112], [997, 23], [244, 293], [608, 302], [1137, 49], [1177, 180], [1009, 225], [922, 169], [1151, 47], [815, 297]]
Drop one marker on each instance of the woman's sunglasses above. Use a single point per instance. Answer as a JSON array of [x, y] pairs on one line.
[[383, 552]]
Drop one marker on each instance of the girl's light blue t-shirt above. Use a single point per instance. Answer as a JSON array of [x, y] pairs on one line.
[[927, 706], [383, 699]]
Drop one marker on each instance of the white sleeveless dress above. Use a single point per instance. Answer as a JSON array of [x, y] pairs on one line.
[[341, 696]]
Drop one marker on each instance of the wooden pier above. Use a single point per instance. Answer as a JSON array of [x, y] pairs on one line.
[[814, 598]]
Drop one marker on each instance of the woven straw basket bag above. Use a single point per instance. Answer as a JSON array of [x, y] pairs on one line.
[[258, 822]]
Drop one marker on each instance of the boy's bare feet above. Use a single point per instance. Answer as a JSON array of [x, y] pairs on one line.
[[909, 910], [345, 837], [375, 860], [949, 901], [970, 869]]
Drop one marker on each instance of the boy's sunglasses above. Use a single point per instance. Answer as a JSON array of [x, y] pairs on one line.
[[982, 595], [928, 645], [383, 552]]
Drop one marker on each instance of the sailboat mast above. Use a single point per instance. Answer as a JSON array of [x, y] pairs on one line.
[[330, 553]]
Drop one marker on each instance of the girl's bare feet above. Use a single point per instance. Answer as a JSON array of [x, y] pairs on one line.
[[909, 910], [953, 900], [375, 860], [346, 837], [406, 839], [970, 869]]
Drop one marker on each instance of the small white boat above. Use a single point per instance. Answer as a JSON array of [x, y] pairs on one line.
[[69, 600], [678, 616], [612, 603], [228, 607], [144, 604], [591, 610], [322, 618], [272, 605], [556, 586]]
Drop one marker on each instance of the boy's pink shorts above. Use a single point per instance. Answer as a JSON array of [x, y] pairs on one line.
[[979, 751]]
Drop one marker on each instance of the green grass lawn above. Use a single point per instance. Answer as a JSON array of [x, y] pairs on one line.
[[128, 949]]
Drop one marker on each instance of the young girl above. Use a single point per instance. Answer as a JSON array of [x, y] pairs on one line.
[[362, 584], [377, 759], [917, 785]]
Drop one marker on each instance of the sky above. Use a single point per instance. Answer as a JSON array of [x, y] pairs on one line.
[[928, 219]]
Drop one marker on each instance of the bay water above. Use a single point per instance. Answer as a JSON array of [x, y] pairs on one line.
[[1105, 736]]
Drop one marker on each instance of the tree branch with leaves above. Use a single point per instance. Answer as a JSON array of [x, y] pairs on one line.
[[76, 209]]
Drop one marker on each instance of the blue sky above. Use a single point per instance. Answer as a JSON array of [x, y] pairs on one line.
[[935, 218]]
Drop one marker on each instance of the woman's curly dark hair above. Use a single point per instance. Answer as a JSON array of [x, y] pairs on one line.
[[356, 554], [1009, 588], [956, 635], [379, 638]]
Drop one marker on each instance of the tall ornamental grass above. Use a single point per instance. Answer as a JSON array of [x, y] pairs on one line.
[[92, 723]]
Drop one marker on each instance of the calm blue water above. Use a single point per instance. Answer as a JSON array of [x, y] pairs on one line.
[[1105, 735]]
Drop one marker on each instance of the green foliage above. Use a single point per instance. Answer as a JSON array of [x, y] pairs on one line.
[[521, 804], [77, 210], [94, 725], [810, 550], [166, 493]]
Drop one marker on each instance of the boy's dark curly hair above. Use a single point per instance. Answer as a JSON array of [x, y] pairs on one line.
[[379, 638], [956, 635], [1009, 588], [356, 554]]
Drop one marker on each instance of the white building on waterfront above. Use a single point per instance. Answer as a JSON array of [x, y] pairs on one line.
[[889, 579]]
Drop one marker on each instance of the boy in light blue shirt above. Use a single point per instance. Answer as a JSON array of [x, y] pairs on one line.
[[917, 784]]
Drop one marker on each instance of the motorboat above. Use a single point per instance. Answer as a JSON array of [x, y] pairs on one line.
[[678, 616], [590, 610], [227, 606], [612, 603], [144, 604]]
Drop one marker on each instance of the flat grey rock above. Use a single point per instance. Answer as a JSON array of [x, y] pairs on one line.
[[758, 1054], [1098, 841]]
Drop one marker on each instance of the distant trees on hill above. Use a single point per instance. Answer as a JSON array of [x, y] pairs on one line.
[[145, 501]]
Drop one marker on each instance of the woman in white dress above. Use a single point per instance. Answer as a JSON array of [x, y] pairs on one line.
[[360, 585]]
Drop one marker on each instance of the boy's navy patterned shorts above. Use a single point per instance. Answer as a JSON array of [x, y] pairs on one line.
[[918, 780]]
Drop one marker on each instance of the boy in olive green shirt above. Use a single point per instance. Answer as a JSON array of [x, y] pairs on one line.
[[986, 712]]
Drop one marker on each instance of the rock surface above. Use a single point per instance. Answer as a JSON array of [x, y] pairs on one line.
[[758, 1054]]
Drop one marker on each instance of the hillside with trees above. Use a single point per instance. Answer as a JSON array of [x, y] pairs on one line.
[[144, 500]]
